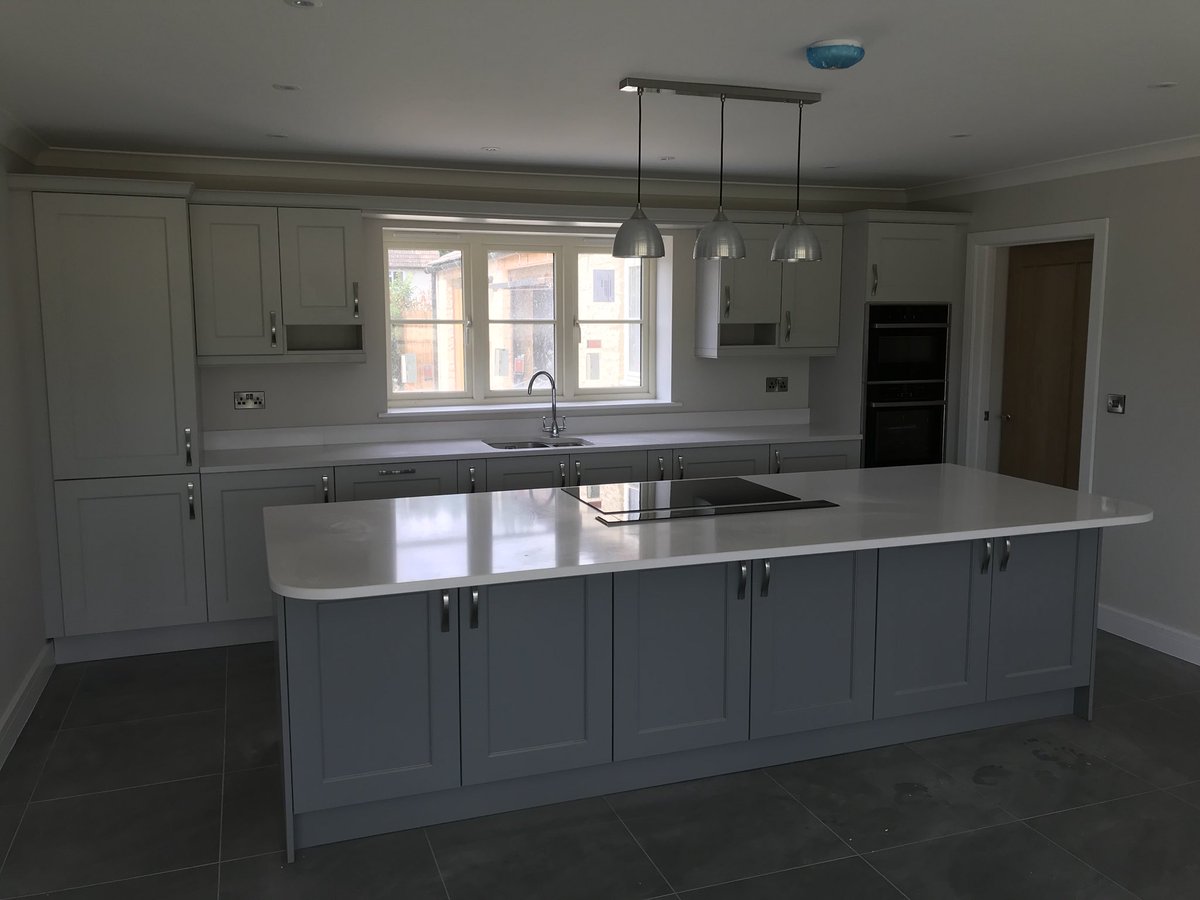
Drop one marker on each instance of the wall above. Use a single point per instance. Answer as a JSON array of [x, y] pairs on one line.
[[1148, 352], [21, 625]]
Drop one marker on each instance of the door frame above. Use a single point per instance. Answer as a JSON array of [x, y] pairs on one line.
[[984, 249]]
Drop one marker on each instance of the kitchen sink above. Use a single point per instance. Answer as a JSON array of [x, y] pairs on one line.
[[535, 445]]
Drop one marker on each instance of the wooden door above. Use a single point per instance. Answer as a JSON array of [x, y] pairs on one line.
[[536, 677], [235, 546], [131, 552], [116, 291], [810, 311], [320, 264], [1045, 348], [383, 481]]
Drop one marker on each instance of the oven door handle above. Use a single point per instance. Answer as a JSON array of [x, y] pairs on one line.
[[907, 403], [910, 326]]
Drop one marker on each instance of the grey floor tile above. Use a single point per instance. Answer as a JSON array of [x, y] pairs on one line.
[[9, 817], [253, 688], [998, 863], [187, 884], [115, 835], [252, 736], [1185, 705], [881, 798], [19, 775], [252, 813], [56, 697], [128, 754], [1031, 769], [705, 832], [143, 687], [1129, 668], [579, 850], [1147, 741], [1147, 844], [394, 866], [845, 879], [1188, 793], [245, 657]]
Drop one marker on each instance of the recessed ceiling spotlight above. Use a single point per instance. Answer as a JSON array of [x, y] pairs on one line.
[[834, 166], [303, 4], [489, 149], [286, 87], [275, 134], [665, 158], [962, 134], [1163, 84]]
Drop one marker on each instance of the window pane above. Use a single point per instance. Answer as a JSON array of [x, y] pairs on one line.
[[427, 358], [425, 284], [520, 284], [610, 356], [609, 288], [518, 350]]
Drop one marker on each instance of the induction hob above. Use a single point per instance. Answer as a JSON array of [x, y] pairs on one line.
[[630, 502]]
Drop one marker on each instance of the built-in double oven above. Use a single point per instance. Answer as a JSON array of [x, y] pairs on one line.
[[904, 398]]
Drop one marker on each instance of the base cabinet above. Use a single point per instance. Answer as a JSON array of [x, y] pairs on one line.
[[372, 698], [681, 660], [522, 473], [814, 457], [812, 658], [131, 553], [711, 462], [397, 479], [536, 677]]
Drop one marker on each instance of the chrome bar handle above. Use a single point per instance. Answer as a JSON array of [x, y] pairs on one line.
[[562, 473], [743, 578], [445, 610], [766, 585], [662, 470], [1006, 555], [471, 473], [874, 278], [191, 498], [787, 328], [187, 446], [355, 284], [728, 301], [383, 472], [579, 471], [987, 556], [681, 470], [474, 607], [274, 330], [324, 488], [778, 463]]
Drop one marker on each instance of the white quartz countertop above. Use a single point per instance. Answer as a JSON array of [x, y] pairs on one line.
[[366, 548], [261, 458]]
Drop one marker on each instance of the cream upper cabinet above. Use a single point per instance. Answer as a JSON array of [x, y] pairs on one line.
[[912, 263], [320, 261], [811, 304], [235, 274], [749, 286], [116, 300]]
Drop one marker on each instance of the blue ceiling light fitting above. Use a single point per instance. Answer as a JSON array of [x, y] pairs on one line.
[[840, 53]]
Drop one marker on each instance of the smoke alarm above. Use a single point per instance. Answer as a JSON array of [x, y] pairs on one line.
[[840, 53]]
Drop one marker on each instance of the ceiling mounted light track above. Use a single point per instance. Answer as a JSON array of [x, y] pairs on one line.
[[638, 237]]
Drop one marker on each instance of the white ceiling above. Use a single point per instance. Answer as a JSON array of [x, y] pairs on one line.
[[434, 81]]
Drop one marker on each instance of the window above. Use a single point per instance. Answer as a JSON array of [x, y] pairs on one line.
[[472, 317]]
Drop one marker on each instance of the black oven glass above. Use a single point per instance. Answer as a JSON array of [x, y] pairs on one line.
[[904, 435], [907, 342]]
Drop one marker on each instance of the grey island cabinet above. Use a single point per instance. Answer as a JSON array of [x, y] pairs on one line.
[[450, 656]]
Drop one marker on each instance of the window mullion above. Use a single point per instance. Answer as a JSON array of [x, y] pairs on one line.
[[480, 340]]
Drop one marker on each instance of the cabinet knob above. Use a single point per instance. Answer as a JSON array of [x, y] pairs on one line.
[[679, 459], [728, 301], [187, 446], [987, 556], [474, 608], [579, 471], [384, 472], [743, 579], [445, 610], [562, 473], [662, 471], [787, 327], [274, 331], [778, 463], [191, 499], [1006, 554], [766, 584], [874, 278], [471, 473], [355, 285], [324, 488]]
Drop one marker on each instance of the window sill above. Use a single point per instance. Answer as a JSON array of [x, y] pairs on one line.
[[523, 410]]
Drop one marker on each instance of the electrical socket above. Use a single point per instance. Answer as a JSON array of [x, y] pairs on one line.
[[249, 399], [777, 385]]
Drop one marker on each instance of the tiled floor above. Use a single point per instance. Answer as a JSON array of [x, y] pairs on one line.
[[158, 778]]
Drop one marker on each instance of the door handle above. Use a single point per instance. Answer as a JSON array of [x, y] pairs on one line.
[[766, 585], [562, 473], [324, 488], [728, 301], [680, 459], [662, 471], [778, 463], [191, 498], [355, 285], [187, 446], [987, 556], [787, 328], [474, 607], [384, 472], [743, 578], [1006, 554], [471, 473], [874, 278], [1005, 417], [578, 471], [274, 332], [445, 610]]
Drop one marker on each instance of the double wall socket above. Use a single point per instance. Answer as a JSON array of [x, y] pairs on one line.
[[249, 399], [777, 385]]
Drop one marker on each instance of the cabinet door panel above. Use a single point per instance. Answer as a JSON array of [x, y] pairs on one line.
[[811, 306], [235, 549], [130, 553], [399, 479], [932, 628], [372, 698], [320, 260], [681, 648], [816, 457], [235, 273], [536, 677], [1043, 614], [116, 298], [710, 462], [515, 474], [912, 263], [607, 468], [812, 660], [751, 284]]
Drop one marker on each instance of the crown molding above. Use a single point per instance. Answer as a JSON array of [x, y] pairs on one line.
[[19, 139], [1109, 160], [88, 184]]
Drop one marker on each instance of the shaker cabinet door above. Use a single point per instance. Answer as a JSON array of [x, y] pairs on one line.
[[810, 309], [385, 481], [320, 266]]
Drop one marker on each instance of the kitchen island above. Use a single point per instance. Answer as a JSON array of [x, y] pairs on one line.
[[452, 656]]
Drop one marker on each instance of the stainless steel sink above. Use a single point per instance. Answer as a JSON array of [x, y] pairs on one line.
[[536, 445]]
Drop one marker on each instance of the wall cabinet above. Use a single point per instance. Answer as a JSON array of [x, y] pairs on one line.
[[812, 660], [814, 457], [397, 479], [131, 553], [681, 660], [117, 328], [320, 264], [536, 677], [912, 263], [235, 550], [756, 307], [372, 698]]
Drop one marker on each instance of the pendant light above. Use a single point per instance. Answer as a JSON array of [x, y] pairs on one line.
[[720, 238], [797, 242], [638, 236]]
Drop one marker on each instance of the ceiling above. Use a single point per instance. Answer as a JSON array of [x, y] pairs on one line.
[[432, 82]]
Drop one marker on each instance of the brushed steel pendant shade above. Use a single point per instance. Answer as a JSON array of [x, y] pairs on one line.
[[720, 238], [797, 242], [638, 236]]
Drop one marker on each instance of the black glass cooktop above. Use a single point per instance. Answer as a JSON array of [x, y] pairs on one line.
[[653, 501]]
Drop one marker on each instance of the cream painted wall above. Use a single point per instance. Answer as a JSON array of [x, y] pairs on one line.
[[22, 634], [1150, 351]]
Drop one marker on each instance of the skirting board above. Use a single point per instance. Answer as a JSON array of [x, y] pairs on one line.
[[17, 713], [82, 648], [1151, 633]]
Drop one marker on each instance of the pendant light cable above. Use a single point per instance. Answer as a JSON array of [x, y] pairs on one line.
[[639, 168], [721, 166], [799, 134]]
